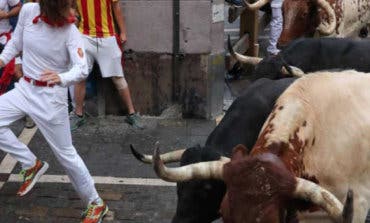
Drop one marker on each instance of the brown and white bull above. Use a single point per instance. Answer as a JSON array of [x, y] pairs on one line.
[[336, 18], [302, 17], [314, 146]]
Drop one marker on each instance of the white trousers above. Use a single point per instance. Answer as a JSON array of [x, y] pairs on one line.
[[47, 106], [276, 26]]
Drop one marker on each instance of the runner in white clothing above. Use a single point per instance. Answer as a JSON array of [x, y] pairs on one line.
[[53, 58], [8, 8]]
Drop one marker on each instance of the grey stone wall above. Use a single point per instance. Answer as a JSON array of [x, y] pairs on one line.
[[149, 26], [148, 68]]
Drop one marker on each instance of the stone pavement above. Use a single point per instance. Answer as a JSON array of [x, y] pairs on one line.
[[103, 144]]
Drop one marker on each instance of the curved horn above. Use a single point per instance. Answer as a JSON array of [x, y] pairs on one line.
[[294, 71], [257, 5], [242, 58], [169, 157], [310, 191], [204, 170], [327, 28], [348, 208]]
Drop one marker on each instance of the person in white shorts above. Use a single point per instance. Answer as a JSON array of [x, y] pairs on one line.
[[42, 94], [101, 46]]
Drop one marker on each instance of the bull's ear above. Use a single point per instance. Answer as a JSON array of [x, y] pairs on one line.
[[239, 152]]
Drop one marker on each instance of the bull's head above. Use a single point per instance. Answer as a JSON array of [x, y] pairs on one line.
[[301, 18], [259, 188], [271, 67], [198, 200]]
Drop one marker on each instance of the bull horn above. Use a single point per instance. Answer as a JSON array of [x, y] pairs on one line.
[[242, 58], [348, 208], [257, 5], [327, 28], [169, 157], [294, 71], [310, 191], [203, 170]]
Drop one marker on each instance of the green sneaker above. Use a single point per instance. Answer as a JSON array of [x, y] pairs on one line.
[[135, 121], [76, 121]]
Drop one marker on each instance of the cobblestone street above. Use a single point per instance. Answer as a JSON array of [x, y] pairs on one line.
[[131, 189]]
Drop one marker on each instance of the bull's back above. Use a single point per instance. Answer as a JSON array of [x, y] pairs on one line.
[[314, 54], [339, 155], [245, 117]]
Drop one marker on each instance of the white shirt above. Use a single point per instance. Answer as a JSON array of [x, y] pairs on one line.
[[44, 47], [4, 6]]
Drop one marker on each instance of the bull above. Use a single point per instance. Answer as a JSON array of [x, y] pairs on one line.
[[302, 17], [313, 147], [199, 200], [338, 18], [310, 55]]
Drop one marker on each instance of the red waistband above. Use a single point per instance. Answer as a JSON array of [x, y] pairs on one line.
[[37, 83]]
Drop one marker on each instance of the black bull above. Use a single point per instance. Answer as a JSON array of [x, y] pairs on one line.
[[317, 54], [199, 200]]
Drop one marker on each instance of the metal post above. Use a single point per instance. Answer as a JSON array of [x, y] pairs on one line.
[[176, 50]]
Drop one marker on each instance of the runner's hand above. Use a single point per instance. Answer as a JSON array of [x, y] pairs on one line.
[[51, 77], [3, 14], [123, 38]]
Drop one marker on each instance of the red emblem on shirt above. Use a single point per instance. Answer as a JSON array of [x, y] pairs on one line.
[[80, 52]]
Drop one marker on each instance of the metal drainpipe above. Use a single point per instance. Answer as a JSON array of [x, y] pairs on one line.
[[176, 51]]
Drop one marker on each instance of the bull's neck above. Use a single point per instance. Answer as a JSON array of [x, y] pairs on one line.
[[287, 132]]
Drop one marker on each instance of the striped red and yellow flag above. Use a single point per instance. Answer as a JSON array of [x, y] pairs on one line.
[[96, 17]]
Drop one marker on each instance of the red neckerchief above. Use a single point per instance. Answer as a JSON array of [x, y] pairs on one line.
[[71, 19]]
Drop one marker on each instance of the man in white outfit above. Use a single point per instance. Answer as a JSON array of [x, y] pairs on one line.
[[42, 94]]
